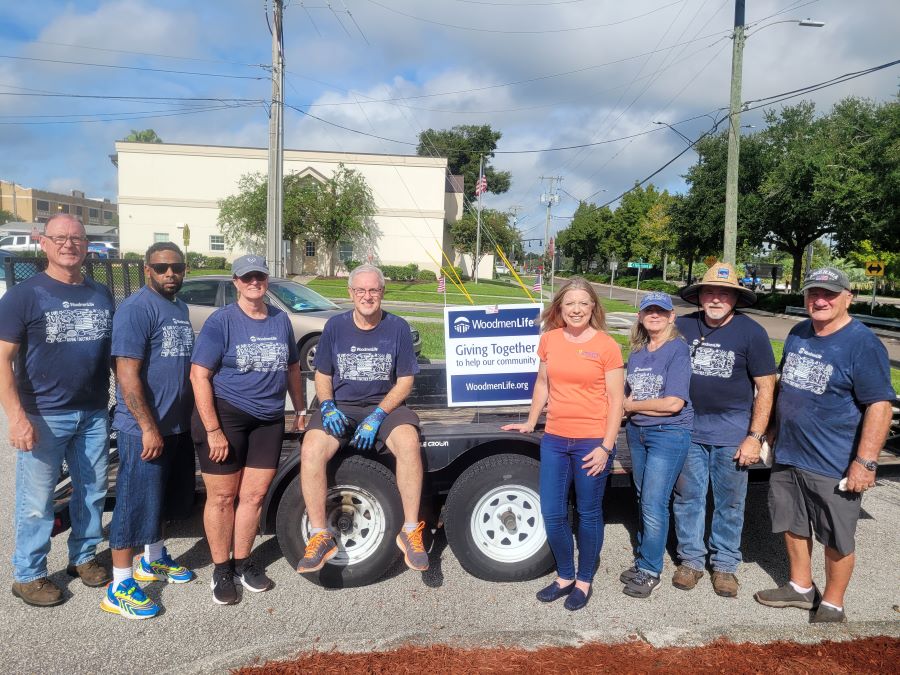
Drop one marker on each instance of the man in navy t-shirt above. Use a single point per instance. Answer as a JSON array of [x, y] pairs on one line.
[[152, 341], [54, 388], [732, 389], [365, 365], [833, 414]]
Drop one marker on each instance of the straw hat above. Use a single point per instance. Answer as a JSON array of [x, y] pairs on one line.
[[720, 275]]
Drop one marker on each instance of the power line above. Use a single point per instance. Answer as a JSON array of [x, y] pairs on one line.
[[158, 56], [137, 68], [130, 116]]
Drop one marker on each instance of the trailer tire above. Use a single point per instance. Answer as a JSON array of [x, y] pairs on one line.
[[493, 522], [362, 506]]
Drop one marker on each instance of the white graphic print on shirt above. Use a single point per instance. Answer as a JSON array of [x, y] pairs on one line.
[[808, 374], [178, 339], [262, 355], [81, 324], [364, 366], [644, 384], [712, 362]]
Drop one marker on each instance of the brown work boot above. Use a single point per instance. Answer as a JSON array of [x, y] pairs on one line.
[[686, 577], [39, 592], [725, 584], [92, 573]]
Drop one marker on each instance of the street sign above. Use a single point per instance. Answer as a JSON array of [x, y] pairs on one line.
[[874, 268], [640, 265]]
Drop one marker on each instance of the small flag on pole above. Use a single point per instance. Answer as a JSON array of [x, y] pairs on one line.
[[442, 284], [481, 186], [537, 284]]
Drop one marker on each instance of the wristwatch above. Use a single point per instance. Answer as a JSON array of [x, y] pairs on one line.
[[760, 437], [868, 463]]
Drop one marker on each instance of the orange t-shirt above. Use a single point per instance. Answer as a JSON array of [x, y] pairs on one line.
[[576, 374]]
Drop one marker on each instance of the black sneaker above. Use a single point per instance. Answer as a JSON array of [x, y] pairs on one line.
[[253, 578], [222, 584], [641, 585], [629, 574]]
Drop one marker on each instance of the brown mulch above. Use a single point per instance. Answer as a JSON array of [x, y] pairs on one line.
[[869, 655]]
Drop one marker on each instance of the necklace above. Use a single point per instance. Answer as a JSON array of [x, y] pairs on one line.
[[699, 342]]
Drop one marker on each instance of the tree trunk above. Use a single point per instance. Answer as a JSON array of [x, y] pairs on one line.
[[665, 264], [331, 259], [797, 270], [690, 271]]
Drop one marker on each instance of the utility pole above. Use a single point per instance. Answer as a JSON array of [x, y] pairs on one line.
[[549, 198], [478, 224], [734, 136], [275, 196]]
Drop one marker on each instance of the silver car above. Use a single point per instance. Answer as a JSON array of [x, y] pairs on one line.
[[308, 310]]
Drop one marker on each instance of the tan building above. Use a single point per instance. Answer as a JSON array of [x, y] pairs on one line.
[[36, 206], [164, 186]]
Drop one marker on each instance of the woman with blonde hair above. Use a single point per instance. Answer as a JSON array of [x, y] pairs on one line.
[[660, 419], [581, 380]]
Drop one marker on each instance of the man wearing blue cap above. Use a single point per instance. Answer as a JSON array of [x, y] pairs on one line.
[[732, 388]]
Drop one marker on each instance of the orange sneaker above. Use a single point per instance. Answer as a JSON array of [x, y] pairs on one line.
[[320, 548], [413, 549]]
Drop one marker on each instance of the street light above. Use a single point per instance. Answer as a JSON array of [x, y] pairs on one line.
[[686, 139], [734, 125]]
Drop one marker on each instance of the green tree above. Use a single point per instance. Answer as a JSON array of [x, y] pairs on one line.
[[463, 146], [495, 229], [7, 217], [656, 238], [584, 240], [143, 136]]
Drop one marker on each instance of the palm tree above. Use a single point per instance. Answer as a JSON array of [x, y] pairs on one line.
[[143, 136]]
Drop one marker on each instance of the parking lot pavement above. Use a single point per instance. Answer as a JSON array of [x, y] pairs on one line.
[[443, 605]]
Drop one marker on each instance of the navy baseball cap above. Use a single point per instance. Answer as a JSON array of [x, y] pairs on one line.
[[658, 299], [829, 278], [249, 263]]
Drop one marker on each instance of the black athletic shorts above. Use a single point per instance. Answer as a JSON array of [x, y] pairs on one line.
[[357, 413], [252, 442]]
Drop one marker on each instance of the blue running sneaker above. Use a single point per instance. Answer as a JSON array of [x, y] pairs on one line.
[[128, 600], [164, 569]]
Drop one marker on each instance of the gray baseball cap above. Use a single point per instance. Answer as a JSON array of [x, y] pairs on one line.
[[829, 278], [249, 263]]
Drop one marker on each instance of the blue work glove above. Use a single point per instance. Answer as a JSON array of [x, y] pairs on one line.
[[364, 438], [334, 421]]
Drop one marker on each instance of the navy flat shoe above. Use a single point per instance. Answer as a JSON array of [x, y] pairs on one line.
[[577, 599], [554, 592]]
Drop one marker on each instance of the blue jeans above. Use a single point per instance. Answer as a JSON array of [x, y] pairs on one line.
[[141, 489], [561, 460], [657, 455], [81, 438], [707, 463]]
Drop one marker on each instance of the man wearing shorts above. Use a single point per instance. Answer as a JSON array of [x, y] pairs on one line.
[[833, 414], [152, 341], [56, 331], [365, 365]]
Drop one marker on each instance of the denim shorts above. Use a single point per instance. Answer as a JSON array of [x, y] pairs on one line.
[[143, 489]]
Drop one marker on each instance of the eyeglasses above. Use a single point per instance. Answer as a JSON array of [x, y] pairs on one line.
[[162, 268], [62, 239], [362, 292], [254, 276]]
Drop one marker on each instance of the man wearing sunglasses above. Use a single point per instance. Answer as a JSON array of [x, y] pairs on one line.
[[365, 365], [152, 340], [56, 332]]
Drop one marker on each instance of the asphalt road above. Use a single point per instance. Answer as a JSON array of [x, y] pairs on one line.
[[443, 605]]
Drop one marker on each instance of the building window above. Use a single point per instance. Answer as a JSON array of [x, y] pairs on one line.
[[107, 215], [216, 242], [93, 213], [63, 208], [43, 205], [310, 249], [79, 211], [345, 250], [160, 236]]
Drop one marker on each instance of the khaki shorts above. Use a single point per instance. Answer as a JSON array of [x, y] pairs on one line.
[[807, 504]]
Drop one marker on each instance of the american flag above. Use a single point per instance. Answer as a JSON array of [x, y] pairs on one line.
[[537, 284], [481, 185], [442, 284]]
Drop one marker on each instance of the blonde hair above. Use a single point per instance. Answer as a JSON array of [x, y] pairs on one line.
[[552, 316], [640, 338]]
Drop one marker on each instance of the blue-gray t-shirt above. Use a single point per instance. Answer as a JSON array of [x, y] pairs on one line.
[[364, 364], [250, 358], [826, 382], [63, 332], [157, 331], [665, 372], [724, 363]]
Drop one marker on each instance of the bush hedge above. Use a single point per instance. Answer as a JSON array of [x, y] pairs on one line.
[[196, 261], [426, 275], [401, 272], [216, 262]]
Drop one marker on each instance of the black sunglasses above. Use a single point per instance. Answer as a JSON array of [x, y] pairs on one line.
[[162, 268], [251, 276]]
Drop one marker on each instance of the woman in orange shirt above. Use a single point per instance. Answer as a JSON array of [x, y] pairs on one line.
[[581, 380]]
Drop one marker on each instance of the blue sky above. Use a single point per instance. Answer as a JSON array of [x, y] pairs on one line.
[[547, 73]]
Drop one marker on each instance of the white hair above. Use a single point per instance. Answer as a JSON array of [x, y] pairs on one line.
[[365, 269]]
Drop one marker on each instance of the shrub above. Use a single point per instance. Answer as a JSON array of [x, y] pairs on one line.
[[351, 264], [426, 275], [131, 255], [216, 262], [401, 272], [196, 261]]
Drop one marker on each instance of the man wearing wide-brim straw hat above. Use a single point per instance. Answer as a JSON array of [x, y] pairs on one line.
[[732, 388]]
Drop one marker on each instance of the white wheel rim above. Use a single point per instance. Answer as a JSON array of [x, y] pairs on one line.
[[357, 520], [506, 524]]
